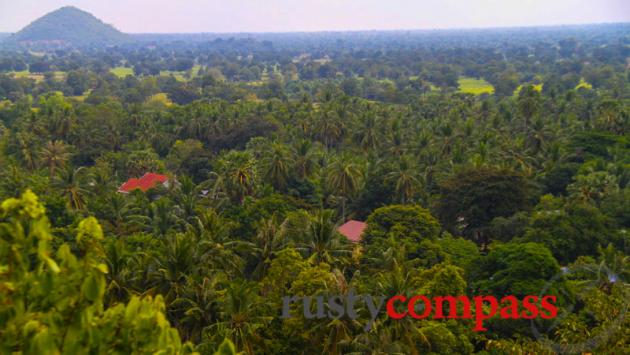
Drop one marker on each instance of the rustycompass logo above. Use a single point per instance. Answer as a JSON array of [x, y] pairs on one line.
[[478, 308]]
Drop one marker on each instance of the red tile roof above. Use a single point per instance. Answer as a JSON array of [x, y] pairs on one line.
[[352, 230], [146, 182]]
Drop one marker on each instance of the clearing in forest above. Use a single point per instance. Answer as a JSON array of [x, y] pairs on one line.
[[474, 86]]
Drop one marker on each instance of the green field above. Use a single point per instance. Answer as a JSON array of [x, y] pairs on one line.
[[121, 72], [537, 87], [160, 97], [58, 75], [181, 75], [474, 86], [583, 85]]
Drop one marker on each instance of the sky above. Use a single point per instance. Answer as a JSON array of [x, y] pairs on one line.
[[169, 16]]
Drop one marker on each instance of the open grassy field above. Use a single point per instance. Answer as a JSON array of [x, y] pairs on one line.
[[161, 98], [537, 87], [81, 98], [121, 72], [181, 75], [474, 86], [58, 75], [583, 85]]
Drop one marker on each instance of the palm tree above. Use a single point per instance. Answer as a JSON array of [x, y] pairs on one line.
[[612, 269], [330, 128], [197, 306], [267, 241], [538, 135], [70, 182], [240, 313], [175, 260], [344, 177], [54, 155], [162, 217], [303, 158], [186, 197], [115, 211], [278, 165], [405, 178], [238, 170], [213, 237], [323, 242], [119, 271], [399, 281], [528, 104], [368, 135], [27, 143], [396, 141]]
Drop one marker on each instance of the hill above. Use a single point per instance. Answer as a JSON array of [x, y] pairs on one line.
[[67, 26]]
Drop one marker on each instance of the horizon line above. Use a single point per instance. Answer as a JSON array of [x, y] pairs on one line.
[[417, 29]]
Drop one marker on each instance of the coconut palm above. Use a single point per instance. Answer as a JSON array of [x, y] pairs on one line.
[[54, 155], [197, 306], [186, 198], [323, 242], [278, 166], [330, 128], [241, 320], [238, 170], [344, 177], [268, 240], [304, 158], [71, 183], [369, 133], [405, 178], [27, 145]]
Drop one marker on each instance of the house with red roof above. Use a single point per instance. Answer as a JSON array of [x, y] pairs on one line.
[[352, 230], [145, 183]]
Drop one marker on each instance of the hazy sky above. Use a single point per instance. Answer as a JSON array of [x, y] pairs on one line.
[[317, 15]]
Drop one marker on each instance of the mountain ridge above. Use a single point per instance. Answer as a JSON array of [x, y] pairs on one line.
[[67, 26]]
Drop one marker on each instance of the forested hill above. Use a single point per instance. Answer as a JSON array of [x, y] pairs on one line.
[[67, 26]]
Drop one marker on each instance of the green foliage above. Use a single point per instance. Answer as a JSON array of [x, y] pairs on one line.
[[473, 197], [271, 152], [593, 143], [518, 269], [569, 230], [460, 252], [412, 221], [52, 301]]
